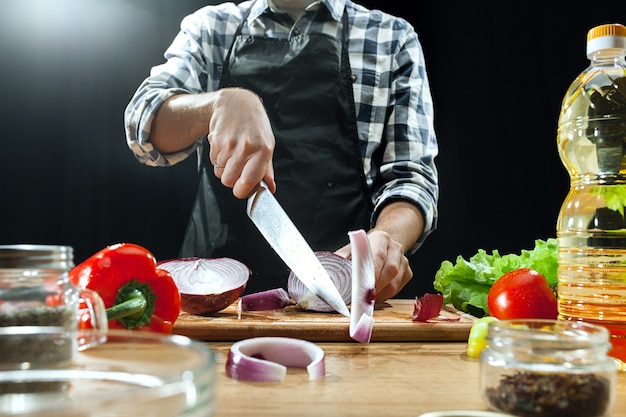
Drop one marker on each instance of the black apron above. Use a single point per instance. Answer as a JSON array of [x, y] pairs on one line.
[[306, 86]]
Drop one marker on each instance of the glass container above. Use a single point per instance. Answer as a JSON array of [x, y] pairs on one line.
[[132, 373], [39, 307], [548, 368]]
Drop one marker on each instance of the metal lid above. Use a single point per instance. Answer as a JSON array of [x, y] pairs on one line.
[[25, 256]]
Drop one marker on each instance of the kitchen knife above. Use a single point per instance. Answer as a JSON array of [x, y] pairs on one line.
[[283, 236]]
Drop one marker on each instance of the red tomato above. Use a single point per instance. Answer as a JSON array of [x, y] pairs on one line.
[[522, 294]]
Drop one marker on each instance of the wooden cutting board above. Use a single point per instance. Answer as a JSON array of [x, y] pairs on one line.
[[392, 323]]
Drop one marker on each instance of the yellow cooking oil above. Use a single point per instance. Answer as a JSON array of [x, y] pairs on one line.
[[591, 225]]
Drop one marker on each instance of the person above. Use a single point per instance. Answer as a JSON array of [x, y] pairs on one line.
[[326, 101]]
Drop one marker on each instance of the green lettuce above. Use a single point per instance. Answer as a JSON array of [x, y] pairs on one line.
[[466, 283]]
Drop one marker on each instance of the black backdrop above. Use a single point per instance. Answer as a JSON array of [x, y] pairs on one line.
[[498, 71]]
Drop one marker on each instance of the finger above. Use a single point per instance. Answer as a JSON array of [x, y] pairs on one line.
[[379, 254], [268, 178], [345, 252], [392, 266], [218, 169], [397, 283], [251, 174]]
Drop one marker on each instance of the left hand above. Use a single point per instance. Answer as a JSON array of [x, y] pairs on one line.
[[391, 267]]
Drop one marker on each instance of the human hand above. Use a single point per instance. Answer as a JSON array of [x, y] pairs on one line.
[[391, 267], [241, 141]]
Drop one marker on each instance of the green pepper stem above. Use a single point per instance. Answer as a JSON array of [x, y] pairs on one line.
[[133, 306]]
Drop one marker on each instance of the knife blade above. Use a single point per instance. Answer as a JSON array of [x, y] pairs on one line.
[[283, 236]]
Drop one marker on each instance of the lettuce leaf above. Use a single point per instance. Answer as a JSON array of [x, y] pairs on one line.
[[466, 283]]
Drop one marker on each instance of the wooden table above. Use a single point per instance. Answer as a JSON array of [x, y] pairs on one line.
[[403, 379]]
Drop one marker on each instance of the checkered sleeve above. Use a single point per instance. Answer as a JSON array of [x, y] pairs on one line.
[[192, 65], [406, 166]]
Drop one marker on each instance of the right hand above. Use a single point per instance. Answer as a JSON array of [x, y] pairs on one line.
[[242, 142]]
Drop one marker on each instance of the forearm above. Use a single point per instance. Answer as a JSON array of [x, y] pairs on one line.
[[403, 221], [180, 121]]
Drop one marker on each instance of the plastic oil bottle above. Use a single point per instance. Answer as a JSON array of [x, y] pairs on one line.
[[591, 226]]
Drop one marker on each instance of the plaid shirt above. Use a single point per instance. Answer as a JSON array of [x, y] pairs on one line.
[[394, 107]]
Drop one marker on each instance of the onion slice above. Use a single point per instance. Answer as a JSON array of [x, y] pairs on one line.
[[339, 270], [428, 307], [363, 287], [265, 359], [275, 299]]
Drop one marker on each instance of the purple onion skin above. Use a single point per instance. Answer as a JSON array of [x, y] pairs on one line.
[[192, 274], [205, 305], [275, 299]]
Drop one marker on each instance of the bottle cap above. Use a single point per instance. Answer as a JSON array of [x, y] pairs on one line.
[[606, 37]]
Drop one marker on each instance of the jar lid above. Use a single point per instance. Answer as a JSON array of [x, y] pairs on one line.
[[25, 256], [611, 36], [554, 341]]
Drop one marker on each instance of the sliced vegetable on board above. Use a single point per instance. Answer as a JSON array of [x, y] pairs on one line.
[[340, 272], [207, 285], [136, 293], [466, 283], [363, 287], [274, 299], [428, 308]]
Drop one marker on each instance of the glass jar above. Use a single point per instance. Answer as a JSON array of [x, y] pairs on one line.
[[548, 367], [39, 307]]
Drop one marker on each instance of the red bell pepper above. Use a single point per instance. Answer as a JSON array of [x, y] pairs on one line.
[[136, 294]]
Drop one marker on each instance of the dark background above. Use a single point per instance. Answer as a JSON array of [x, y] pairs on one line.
[[498, 71]]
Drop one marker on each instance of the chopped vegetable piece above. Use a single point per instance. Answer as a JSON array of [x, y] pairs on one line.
[[265, 359], [477, 341], [265, 300], [427, 307], [363, 287]]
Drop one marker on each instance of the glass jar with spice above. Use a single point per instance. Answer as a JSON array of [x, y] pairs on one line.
[[548, 368], [39, 307]]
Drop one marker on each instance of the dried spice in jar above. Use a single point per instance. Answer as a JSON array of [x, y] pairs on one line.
[[42, 336], [534, 394], [544, 368]]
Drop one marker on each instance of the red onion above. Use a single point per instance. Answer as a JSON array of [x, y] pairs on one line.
[[265, 300], [265, 359], [339, 270], [429, 307], [363, 287], [207, 285]]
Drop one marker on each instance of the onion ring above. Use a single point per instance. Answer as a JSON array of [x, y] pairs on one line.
[[265, 359]]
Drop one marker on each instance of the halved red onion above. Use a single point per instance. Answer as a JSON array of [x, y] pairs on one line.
[[363, 287], [207, 285], [265, 359], [340, 272], [265, 300]]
